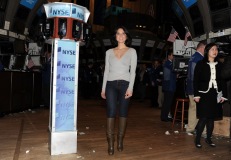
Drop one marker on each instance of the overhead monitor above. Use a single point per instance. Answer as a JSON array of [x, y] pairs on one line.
[[189, 3], [28, 3], [6, 48], [19, 62], [5, 60], [19, 47], [180, 64]]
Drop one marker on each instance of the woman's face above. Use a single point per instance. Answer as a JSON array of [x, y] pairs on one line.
[[213, 52], [121, 36]]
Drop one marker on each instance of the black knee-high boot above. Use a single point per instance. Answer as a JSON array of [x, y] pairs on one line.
[[200, 127], [210, 127], [121, 133], [110, 135]]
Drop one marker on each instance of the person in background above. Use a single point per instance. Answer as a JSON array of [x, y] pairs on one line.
[[46, 78], [159, 83], [197, 56], [143, 81], [88, 81], [1, 66], [99, 81], [154, 75], [226, 75], [119, 77], [209, 91], [1, 69], [168, 86]]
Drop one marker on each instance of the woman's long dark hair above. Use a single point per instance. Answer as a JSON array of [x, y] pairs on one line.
[[206, 53], [128, 40]]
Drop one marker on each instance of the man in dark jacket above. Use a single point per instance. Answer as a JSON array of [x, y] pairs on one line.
[[197, 56], [1, 66], [226, 74], [168, 86]]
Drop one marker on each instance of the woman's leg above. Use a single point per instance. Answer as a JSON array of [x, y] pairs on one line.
[[200, 127], [111, 99], [123, 113], [210, 127]]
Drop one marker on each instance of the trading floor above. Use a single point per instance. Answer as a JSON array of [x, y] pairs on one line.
[[24, 136]]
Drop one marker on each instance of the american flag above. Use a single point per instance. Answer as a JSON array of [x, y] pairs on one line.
[[187, 34], [173, 35], [30, 63]]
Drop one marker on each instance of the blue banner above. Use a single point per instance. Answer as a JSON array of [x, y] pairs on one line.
[[65, 86], [188, 3], [28, 3]]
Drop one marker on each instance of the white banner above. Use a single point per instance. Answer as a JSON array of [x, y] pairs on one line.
[[181, 50]]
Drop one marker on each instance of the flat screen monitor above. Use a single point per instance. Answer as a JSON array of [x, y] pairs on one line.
[[5, 60], [19, 62], [180, 64], [6, 48]]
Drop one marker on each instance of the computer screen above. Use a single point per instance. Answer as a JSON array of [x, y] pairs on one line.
[[5, 60], [180, 64], [7, 48], [19, 62]]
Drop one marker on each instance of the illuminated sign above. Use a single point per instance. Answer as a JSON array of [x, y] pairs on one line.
[[58, 9], [65, 87], [28, 3]]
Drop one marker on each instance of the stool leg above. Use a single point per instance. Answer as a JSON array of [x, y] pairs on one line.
[[174, 118], [182, 117]]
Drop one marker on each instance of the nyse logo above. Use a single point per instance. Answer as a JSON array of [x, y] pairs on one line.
[[67, 52], [77, 14], [68, 66], [66, 78], [71, 66], [67, 92], [60, 12]]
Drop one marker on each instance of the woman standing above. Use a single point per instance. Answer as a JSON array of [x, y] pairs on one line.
[[209, 92], [118, 81]]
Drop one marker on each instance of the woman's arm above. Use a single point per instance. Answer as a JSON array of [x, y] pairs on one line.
[[196, 79], [106, 71]]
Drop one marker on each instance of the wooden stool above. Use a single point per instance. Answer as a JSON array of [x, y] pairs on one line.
[[182, 100]]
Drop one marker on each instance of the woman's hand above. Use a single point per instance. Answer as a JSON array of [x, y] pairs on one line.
[[128, 94], [103, 95], [222, 100], [197, 100]]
